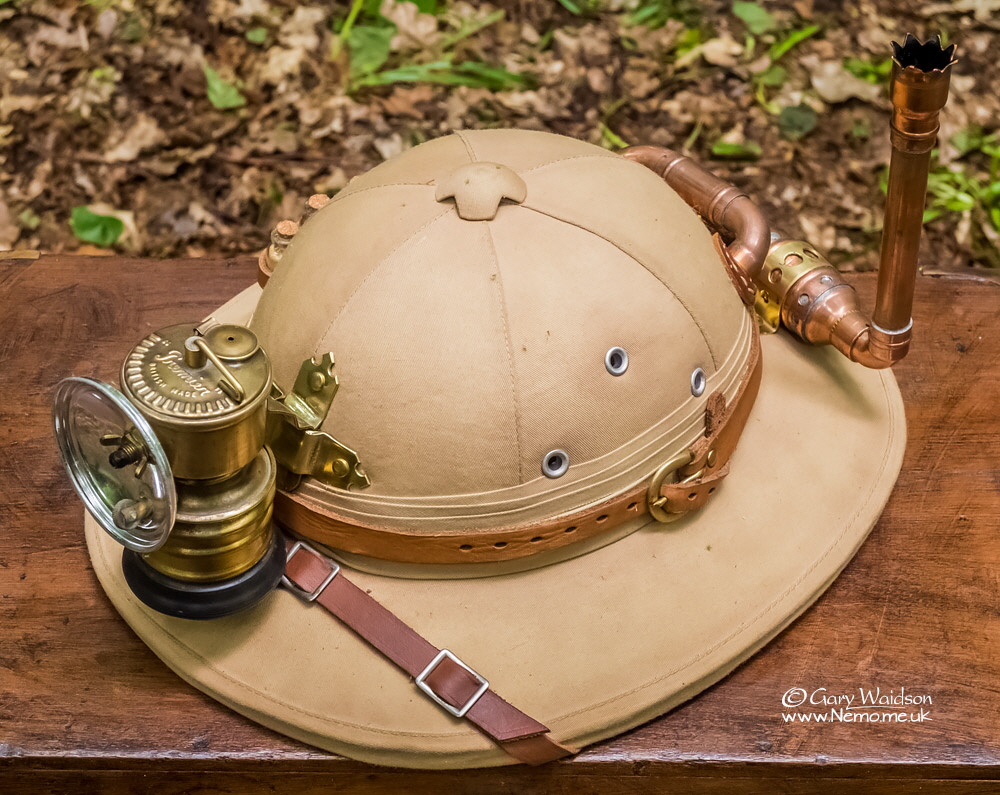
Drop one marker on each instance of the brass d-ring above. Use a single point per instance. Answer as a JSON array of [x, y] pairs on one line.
[[654, 499]]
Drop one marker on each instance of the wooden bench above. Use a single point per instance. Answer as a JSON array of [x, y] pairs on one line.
[[85, 706]]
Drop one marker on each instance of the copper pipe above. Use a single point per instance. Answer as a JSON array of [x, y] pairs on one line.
[[723, 206], [815, 302], [921, 75]]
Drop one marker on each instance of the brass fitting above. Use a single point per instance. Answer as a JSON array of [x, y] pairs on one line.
[[314, 204], [281, 237]]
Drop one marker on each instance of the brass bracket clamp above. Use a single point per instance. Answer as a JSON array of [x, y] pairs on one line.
[[293, 434]]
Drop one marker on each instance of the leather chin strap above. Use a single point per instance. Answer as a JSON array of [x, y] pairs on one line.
[[437, 672], [683, 485]]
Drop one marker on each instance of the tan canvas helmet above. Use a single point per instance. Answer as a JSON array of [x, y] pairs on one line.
[[561, 483]]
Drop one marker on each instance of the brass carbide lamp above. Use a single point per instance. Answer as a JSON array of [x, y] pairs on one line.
[[176, 466]]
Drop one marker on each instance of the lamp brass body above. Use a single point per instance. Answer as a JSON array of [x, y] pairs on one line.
[[205, 397]]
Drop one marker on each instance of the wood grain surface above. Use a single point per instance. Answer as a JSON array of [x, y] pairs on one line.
[[85, 706]]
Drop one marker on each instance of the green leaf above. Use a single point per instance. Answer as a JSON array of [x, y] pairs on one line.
[[757, 18], [369, 46], [795, 121], [687, 41], [469, 73], [779, 48], [570, 6], [257, 35], [774, 76], [972, 139], [101, 230], [749, 150], [29, 219], [610, 139], [860, 128], [221, 94], [426, 6], [869, 71]]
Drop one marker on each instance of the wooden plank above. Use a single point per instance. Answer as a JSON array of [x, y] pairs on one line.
[[83, 700]]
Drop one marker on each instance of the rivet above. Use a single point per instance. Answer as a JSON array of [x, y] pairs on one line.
[[826, 281], [803, 299], [774, 276], [555, 463], [616, 361], [341, 467], [316, 381], [698, 382], [710, 458]]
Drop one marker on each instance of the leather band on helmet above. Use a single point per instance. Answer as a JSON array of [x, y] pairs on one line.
[[697, 478]]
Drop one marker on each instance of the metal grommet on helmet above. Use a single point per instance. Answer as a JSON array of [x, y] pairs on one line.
[[698, 382], [616, 361], [555, 464]]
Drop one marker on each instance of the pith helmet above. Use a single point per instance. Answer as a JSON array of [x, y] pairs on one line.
[[571, 459]]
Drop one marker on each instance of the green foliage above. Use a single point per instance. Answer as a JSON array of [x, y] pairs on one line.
[[104, 74], [368, 36], [773, 77], [256, 35], [573, 8], [971, 188], [467, 73], [783, 45], [757, 18], [748, 150], [796, 121], [101, 230], [656, 13], [870, 71], [29, 219], [221, 94], [610, 139], [861, 128], [369, 48]]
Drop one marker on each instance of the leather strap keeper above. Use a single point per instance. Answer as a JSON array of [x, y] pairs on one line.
[[696, 482], [437, 672]]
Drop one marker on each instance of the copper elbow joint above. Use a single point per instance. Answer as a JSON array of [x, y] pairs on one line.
[[803, 292], [724, 207]]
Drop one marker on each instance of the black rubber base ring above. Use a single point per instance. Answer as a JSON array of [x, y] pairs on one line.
[[204, 600]]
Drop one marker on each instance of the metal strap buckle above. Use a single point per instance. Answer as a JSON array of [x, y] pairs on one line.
[[313, 595], [656, 502], [458, 712]]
